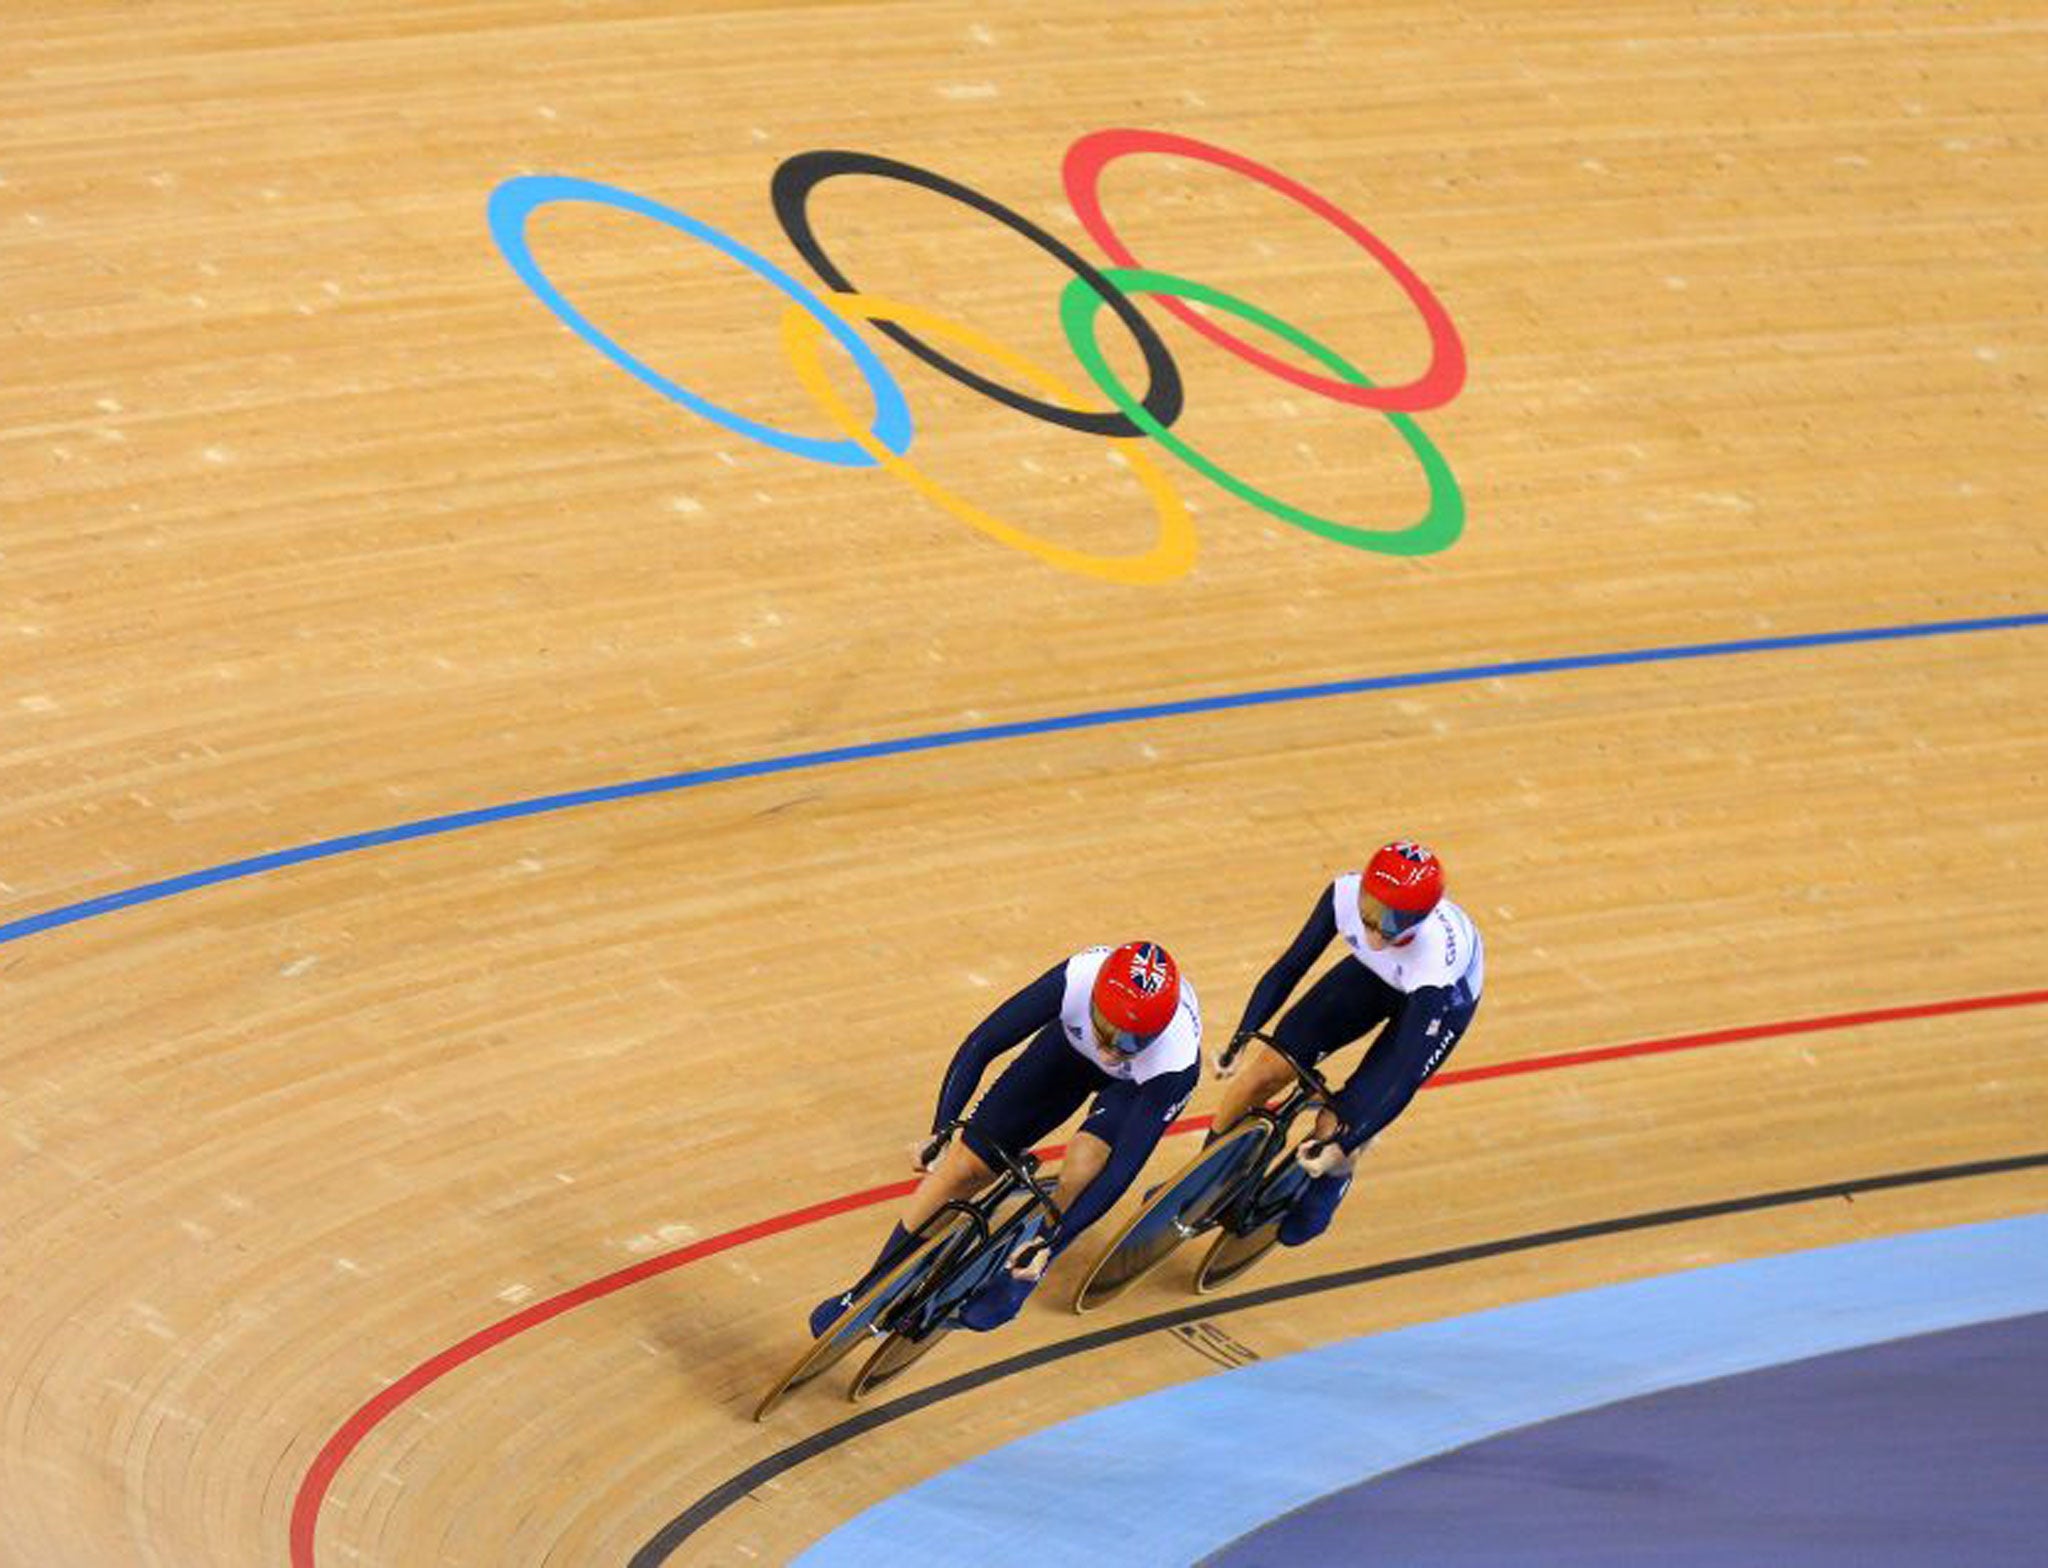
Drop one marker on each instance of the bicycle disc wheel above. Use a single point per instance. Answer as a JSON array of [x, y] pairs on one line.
[[857, 1324], [1180, 1207], [925, 1321], [1231, 1254], [895, 1354], [1238, 1247]]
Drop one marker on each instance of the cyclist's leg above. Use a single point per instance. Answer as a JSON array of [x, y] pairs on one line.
[[1310, 1214], [1261, 1075], [1089, 1151], [1401, 1071], [1038, 1091], [1056, 1092], [1082, 1163], [1003, 1297], [1012, 1115], [1103, 1127], [1346, 1003], [1342, 1006], [960, 1173]]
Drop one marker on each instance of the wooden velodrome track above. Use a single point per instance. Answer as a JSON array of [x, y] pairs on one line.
[[314, 521]]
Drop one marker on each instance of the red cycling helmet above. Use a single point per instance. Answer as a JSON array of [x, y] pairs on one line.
[[1137, 990], [1409, 880]]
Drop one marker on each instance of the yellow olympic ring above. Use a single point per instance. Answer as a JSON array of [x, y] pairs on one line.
[[1171, 554]]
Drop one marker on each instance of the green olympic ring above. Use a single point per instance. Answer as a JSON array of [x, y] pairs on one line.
[[1439, 526]]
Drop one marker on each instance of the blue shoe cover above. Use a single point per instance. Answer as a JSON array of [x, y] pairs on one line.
[[826, 1312], [996, 1302], [1310, 1215]]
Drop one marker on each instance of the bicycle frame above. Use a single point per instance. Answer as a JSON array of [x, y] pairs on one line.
[[1015, 1175], [1237, 1180], [1241, 1210], [922, 1280]]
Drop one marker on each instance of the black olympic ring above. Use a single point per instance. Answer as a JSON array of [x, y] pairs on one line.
[[791, 191]]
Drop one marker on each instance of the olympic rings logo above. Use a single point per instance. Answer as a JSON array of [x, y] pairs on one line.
[[884, 440]]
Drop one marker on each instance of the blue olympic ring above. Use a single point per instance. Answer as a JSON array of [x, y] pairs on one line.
[[515, 200]]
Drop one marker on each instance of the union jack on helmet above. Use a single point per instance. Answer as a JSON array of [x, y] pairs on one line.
[[1138, 989]]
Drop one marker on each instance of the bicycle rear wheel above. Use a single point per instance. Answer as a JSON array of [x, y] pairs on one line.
[[1180, 1207], [858, 1324], [1256, 1232], [923, 1322]]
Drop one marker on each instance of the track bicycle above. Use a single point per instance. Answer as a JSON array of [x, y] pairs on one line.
[[1240, 1185], [910, 1307]]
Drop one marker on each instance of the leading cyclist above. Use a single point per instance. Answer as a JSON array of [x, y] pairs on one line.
[[1122, 1025]]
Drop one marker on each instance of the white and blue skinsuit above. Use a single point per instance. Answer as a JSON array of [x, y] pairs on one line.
[[1425, 991], [1135, 1101]]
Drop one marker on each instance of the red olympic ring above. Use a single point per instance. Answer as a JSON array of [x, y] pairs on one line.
[[1082, 174]]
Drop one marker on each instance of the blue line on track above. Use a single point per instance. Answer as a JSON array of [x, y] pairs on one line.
[[150, 892]]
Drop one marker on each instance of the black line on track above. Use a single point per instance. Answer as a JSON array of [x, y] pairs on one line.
[[664, 1541]]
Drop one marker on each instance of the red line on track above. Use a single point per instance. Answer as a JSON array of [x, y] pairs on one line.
[[337, 1449], [1693, 1042]]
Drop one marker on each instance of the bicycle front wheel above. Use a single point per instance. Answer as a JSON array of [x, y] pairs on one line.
[[895, 1354], [858, 1324], [1255, 1231], [1182, 1206], [928, 1318]]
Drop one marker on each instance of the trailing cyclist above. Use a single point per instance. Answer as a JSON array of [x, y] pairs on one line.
[[1414, 972]]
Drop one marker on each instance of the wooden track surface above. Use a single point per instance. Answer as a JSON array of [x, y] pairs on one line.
[[313, 521]]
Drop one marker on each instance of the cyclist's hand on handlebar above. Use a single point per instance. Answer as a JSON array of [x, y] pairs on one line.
[[1029, 1260], [928, 1153], [1321, 1156], [1232, 1058]]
